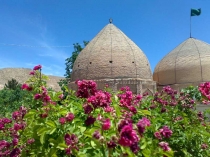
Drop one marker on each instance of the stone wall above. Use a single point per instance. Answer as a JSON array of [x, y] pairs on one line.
[[138, 86]]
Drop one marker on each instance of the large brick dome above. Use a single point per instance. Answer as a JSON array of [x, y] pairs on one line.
[[188, 64], [111, 55]]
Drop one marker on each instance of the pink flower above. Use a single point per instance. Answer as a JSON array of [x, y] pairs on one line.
[[43, 115], [111, 144], [30, 141], [87, 108], [166, 132], [24, 86], [16, 115], [96, 134], [6, 120], [204, 146], [15, 141], [158, 135], [142, 124], [60, 96], [37, 96], [62, 120], [90, 120], [17, 126], [128, 136], [32, 73], [15, 152], [164, 146], [37, 67], [71, 139], [47, 98], [68, 151], [69, 117], [108, 109], [106, 124]]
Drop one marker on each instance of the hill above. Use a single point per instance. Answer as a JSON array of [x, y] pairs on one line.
[[22, 75]]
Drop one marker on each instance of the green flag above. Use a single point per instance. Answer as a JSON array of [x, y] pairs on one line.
[[195, 12]]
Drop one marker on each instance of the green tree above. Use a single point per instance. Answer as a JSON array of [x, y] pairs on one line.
[[70, 61], [69, 66], [12, 84]]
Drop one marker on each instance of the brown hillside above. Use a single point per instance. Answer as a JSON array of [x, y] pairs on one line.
[[22, 75]]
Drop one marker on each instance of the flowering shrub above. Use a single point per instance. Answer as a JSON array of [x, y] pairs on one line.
[[94, 122]]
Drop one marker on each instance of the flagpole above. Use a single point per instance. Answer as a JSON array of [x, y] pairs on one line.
[[190, 24]]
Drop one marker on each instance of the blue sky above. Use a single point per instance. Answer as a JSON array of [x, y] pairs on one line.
[[43, 31]]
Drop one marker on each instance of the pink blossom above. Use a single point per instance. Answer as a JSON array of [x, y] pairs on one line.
[[166, 132], [32, 73], [6, 120], [69, 117], [71, 139], [43, 115], [37, 67], [135, 148], [37, 96], [96, 134], [25, 86], [30, 141], [111, 144], [60, 96], [62, 120], [106, 124], [68, 151], [90, 120], [15, 141], [16, 115], [142, 124], [164, 146], [18, 126], [86, 88], [15, 152], [204, 146], [158, 135], [108, 109], [87, 108], [128, 136]]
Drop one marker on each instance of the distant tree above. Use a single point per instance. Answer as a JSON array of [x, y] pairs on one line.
[[12, 84], [69, 66], [70, 61]]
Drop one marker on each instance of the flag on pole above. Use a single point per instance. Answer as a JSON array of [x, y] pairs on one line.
[[195, 12]]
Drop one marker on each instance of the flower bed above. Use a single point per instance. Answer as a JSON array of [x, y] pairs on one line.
[[92, 122]]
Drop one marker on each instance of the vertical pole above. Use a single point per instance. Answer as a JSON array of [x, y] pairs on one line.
[[190, 24]]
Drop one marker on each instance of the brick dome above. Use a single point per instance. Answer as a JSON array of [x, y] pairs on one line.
[[111, 55], [188, 63]]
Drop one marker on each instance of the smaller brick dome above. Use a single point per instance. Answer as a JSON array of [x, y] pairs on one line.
[[111, 55], [187, 63]]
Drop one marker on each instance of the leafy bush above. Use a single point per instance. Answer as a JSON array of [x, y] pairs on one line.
[[98, 123]]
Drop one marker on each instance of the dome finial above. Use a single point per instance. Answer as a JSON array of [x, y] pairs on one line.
[[110, 20]]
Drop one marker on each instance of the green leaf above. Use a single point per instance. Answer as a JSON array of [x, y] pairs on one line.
[[42, 138], [42, 130], [146, 153], [168, 153], [145, 112], [52, 131], [93, 144], [62, 146], [82, 129], [51, 123]]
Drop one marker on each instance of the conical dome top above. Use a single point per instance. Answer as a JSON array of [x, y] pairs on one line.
[[111, 55], [187, 63]]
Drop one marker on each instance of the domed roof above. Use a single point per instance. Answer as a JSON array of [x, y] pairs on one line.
[[187, 63], [110, 55]]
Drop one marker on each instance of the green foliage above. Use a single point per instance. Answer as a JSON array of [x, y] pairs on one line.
[[70, 61], [193, 92], [12, 84], [11, 100], [46, 123]]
